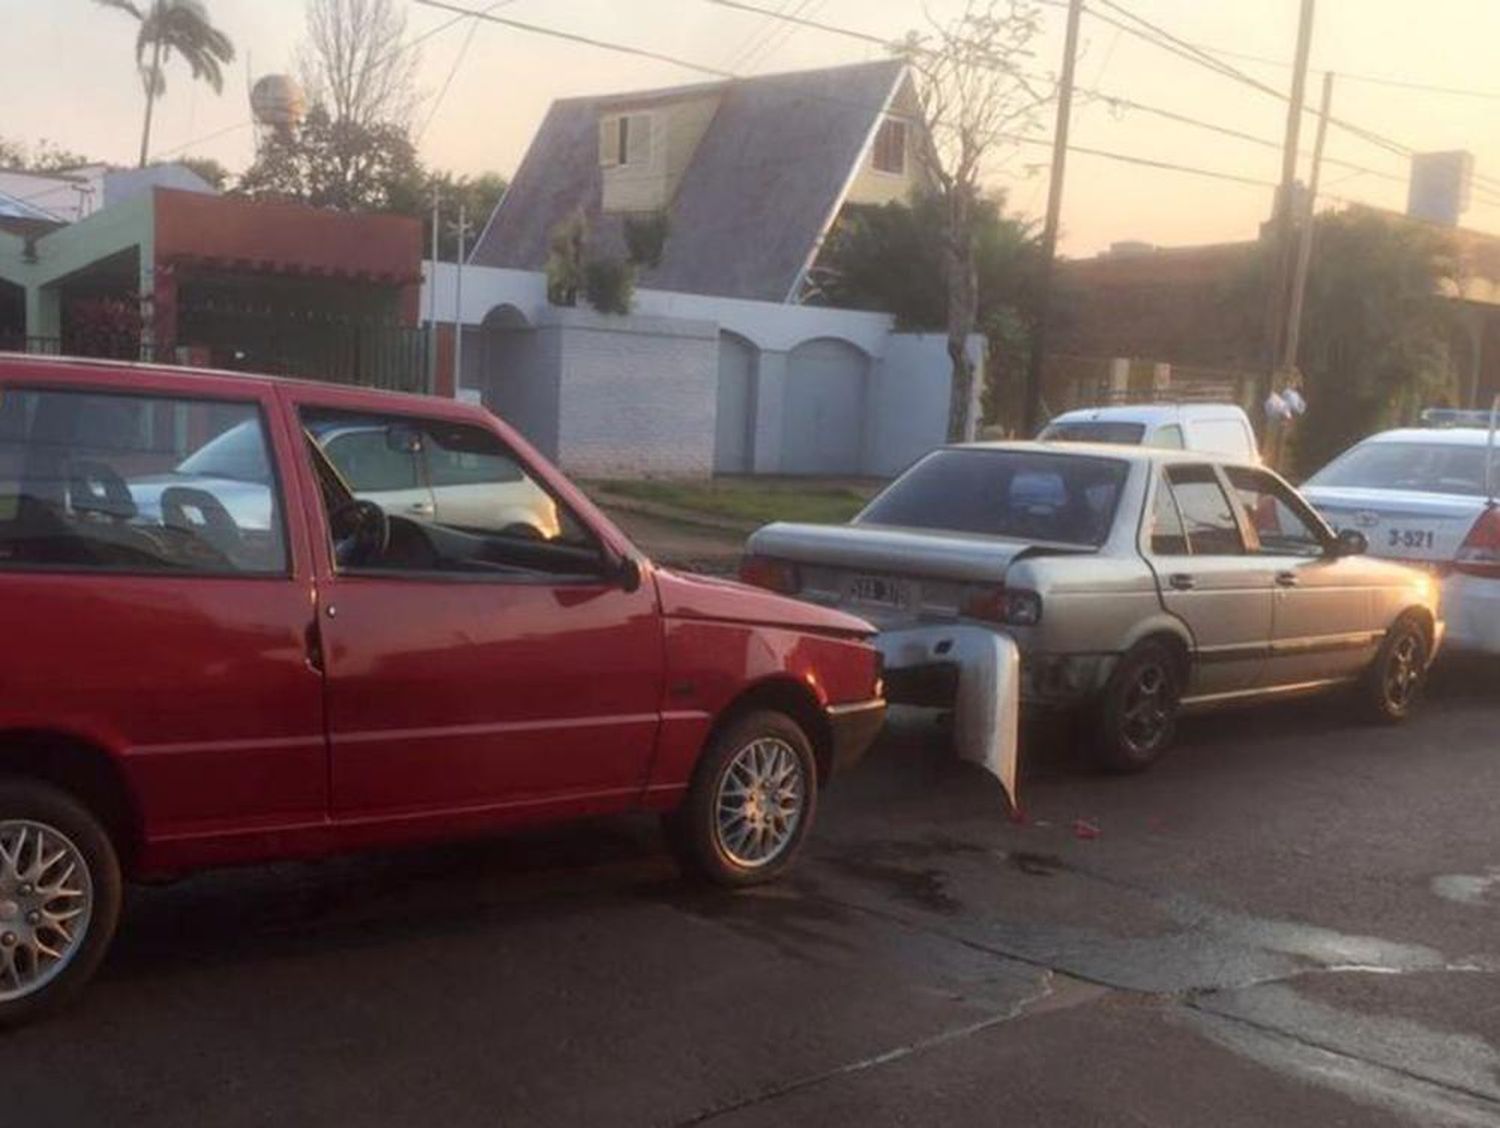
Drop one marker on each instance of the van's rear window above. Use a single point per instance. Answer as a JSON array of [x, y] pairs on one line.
[[1096, 431], [1018, 494]]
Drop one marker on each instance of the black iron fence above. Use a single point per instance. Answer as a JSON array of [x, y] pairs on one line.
[[370, 355]]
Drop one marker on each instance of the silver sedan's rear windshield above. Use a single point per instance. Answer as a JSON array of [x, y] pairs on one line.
[[1023, 495], [1445, 468], [1095, 431]]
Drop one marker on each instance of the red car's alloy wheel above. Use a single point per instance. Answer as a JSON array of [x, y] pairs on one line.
[[759, 802], [46, 904]]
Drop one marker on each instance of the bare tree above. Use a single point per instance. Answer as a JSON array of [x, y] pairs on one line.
[[355, 62], [977, 100]]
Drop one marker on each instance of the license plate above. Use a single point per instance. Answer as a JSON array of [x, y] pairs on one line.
[[884, 590], [1409, 538]]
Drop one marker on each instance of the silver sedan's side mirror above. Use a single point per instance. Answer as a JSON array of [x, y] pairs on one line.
[[1351, 542]]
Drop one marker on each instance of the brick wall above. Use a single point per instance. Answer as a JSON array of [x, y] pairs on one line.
[[637, 395]]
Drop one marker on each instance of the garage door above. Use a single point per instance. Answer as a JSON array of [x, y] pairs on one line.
[[825, 408], [733, 449]]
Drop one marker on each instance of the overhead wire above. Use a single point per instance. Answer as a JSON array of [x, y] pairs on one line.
[[1091, 92], [410, 45]]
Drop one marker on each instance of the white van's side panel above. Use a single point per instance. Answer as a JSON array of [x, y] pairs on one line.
[[1229, 436]]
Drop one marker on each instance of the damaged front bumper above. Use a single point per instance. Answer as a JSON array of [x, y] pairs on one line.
[[853, 729], [976, 672]]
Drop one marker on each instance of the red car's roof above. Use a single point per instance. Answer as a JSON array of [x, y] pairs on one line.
[[33, 364]]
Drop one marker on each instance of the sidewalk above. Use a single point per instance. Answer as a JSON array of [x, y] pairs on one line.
[[694, 542]]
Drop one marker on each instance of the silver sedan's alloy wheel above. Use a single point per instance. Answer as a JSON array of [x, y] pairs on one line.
[[46, 904], [1403, 671], [1148, 704], [760, 801]]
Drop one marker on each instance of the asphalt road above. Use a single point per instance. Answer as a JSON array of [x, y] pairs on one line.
[[1292, 921]]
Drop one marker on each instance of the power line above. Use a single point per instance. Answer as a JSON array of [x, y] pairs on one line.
[[206, 137], [410, 45], [1150, 162], [1355, 76], [574, 37], [759, 35], [1202, 55], [458, 61], [1163, 39], [607, 45], [1103, 95], [803, 21]]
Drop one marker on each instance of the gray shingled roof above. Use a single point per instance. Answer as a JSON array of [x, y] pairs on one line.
[[752, 203]]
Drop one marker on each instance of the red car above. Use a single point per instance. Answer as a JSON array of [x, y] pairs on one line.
[[219, 649]]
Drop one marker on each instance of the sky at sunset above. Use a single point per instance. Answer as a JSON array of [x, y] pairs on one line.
[[69, 76]]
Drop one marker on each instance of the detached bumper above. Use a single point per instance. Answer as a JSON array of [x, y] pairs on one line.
[[978, 671], [854, 728]]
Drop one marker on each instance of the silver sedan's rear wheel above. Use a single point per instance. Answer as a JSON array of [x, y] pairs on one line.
[[1137, 716], [60, 893], [751, 803]]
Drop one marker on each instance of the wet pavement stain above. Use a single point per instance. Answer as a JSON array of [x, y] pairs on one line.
[[1469, 889], [924, 888], [1037, 865]]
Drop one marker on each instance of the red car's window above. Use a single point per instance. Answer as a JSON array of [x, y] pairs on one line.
[[137, 483], [454, 499]]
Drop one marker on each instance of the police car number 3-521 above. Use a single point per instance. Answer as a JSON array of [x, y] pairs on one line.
[[1410, 538]]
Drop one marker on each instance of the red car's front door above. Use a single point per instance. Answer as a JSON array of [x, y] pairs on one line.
[[475, 669]]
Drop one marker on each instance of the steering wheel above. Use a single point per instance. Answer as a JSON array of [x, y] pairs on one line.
[[215, 525], [361, 532], [523, 530]]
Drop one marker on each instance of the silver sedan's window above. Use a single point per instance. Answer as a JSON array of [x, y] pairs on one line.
[[1272, 513], [1212, 529], [1444, 468], [1025, 495], [1167, 535]]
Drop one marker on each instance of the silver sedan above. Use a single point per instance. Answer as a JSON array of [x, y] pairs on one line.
[[1132, 582]]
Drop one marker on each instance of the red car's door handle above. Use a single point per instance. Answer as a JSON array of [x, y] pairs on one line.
[[1286, 579], [313, 641]]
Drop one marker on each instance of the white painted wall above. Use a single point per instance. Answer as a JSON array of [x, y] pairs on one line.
[[767, 325], [638, 394], [619, 396]]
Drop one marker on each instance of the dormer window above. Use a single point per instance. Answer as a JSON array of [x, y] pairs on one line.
[[890, 148], [625, 141]]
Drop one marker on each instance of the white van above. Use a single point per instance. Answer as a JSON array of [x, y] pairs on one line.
[[1217, 428]]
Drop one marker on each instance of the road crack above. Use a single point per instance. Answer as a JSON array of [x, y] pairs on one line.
[[885, 1057]]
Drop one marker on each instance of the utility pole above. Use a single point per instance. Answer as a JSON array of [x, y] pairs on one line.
[[458, 305], [1305, 236], [432, 329], [1281, 217], [1033, 402]]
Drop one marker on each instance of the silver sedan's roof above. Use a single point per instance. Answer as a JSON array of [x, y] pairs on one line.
[[1121, 452]]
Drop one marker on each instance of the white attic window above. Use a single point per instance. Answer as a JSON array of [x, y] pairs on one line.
[[625, 140]]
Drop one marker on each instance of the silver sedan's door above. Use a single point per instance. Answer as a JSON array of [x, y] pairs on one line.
[[1209, 581], [1326, 607]]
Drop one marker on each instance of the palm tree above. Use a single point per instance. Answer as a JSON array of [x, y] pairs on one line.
[[174, 25]]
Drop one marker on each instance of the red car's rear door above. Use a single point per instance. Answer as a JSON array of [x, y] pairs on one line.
[[464, 680], [156, 598]]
